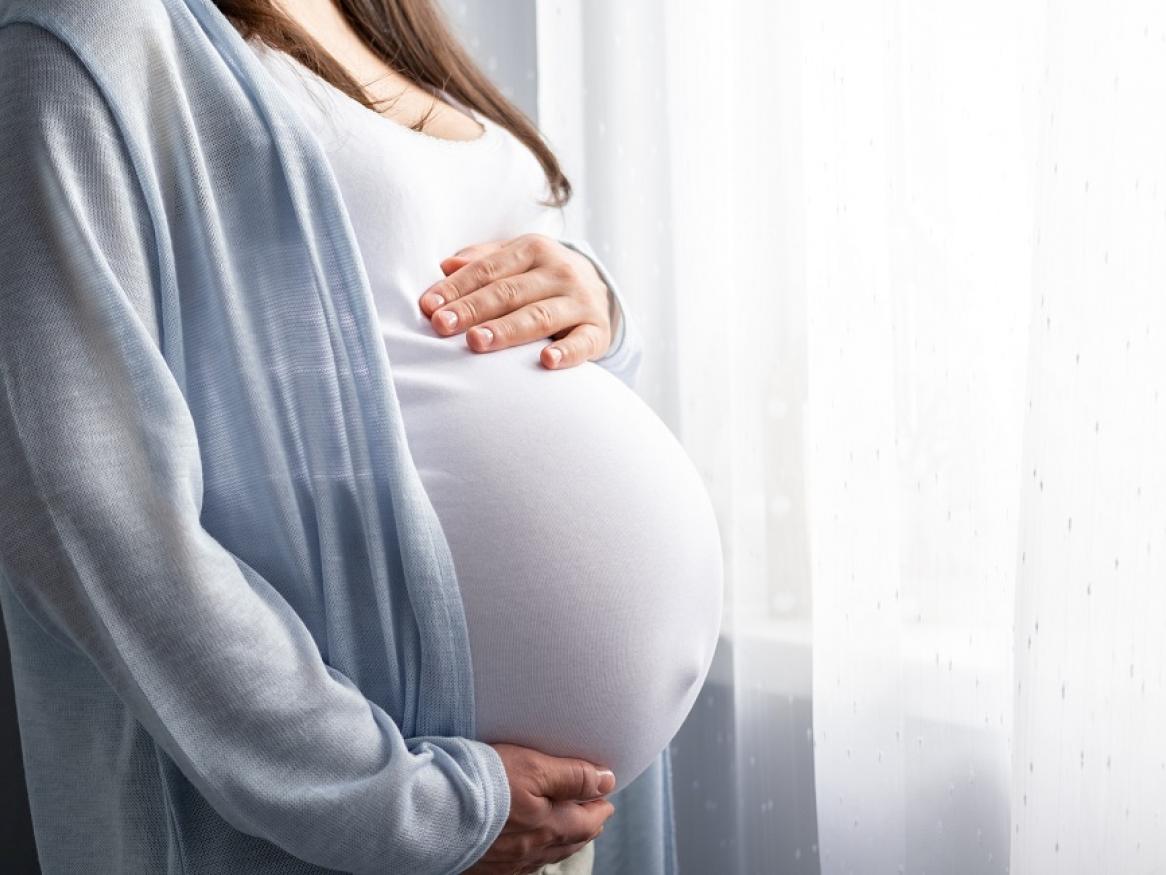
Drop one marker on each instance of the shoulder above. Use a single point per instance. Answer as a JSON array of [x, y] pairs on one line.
[[90, 25], [72, 209], [77, 71], [47, 46], [59, 126], [42, 81]]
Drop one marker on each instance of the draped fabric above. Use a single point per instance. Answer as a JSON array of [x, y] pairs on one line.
[[237, 639], [899, 268]]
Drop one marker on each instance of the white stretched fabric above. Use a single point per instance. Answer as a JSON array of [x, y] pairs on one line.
[[586, 547]]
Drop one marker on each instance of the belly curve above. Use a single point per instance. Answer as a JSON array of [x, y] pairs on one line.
[[586, 547]]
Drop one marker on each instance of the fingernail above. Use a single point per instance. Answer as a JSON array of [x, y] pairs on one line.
[[606, 780], [434, 300], [556, 355], [448, 318], [487, 336]]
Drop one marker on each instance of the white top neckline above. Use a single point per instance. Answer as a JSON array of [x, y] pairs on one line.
[[490, 129]]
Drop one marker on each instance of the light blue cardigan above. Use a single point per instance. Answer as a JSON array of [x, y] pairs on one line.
[[236, 634]]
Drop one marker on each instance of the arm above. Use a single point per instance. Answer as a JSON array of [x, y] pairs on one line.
[[100, 533]]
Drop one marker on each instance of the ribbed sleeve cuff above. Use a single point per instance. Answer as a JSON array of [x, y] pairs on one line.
[[491, 775]]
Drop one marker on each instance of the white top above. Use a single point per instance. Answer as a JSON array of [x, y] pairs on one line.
[[585, 544]]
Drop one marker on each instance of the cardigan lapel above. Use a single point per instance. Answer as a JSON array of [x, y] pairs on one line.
[[268, 323]]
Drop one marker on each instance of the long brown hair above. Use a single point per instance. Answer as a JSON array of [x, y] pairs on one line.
[[412, 38]]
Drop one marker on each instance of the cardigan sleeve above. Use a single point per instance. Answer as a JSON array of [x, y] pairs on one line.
[[100, 532]]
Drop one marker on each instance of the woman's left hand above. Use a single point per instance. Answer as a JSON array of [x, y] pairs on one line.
[[509, 292]]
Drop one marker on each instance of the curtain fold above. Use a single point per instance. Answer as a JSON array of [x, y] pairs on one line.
[[674, 122], [900, 268], [1089, 760]]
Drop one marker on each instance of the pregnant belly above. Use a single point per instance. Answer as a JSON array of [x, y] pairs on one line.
[[586, 549]]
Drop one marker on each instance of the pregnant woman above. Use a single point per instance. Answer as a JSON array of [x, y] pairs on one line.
[[223, 551]]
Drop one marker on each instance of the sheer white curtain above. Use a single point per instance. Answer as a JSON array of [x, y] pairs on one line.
[[902, 271], [679, 124], [1089, 755]]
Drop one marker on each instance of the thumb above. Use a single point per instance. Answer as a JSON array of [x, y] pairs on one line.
[[568, 778], [468, 253], [454, 262]]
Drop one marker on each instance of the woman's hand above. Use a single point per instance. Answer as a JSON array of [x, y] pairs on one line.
[[509, 292], [556, 807]]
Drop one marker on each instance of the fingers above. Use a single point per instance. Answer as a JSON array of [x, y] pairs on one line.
[[467, 254], [544, 856], [516, 256], [570, 823], [538, 319], [557, 806], [497, 299], [562, 778], [449, 265], [507, 293], [522, 860], [580, 821], [584, 342]]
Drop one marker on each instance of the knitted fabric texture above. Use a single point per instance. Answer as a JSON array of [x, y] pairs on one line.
[[237, 639]]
